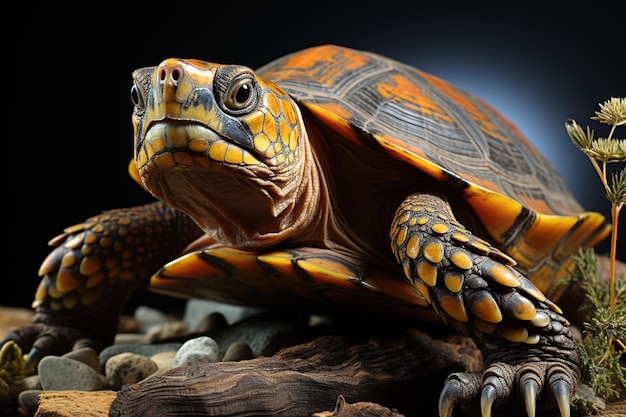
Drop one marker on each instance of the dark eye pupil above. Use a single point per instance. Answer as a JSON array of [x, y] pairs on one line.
[[134, 95], [243, 94]]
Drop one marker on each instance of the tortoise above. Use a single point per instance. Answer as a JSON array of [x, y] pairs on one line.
[[335, 180]]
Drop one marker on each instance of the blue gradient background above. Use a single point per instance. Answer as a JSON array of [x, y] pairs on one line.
[[538, 65]]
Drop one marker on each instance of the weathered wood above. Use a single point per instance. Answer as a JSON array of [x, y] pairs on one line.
[[405, 373], [360, 409]]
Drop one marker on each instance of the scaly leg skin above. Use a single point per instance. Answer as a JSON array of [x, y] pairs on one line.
[[89, 275], [527, 347]]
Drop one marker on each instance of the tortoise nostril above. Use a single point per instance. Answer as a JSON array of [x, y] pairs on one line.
[[169, 73]]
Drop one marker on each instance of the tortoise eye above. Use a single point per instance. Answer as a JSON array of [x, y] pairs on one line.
[[141, 86], [236, 90], [136, 97]]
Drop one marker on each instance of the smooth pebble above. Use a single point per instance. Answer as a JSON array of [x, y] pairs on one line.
[[238, 351], [59, 373], [128, 368], [201, 349]]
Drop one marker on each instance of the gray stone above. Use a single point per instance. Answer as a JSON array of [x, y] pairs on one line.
[[28, 400], [130, 339], [238, 351], [266, 333], [585, 392], [195, 351], [197, 310], [143, 349], [164, 360], [128, 368], [59, 373], [213, 323], [86, 355], [31, 382], [170, 329], [148, 317]]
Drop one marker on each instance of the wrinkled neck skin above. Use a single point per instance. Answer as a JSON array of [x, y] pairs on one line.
[[298, 206]]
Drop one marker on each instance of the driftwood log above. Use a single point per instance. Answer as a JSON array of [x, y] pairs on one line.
[[404, 374]]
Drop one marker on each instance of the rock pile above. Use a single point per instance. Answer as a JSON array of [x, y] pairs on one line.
[[151, 344]]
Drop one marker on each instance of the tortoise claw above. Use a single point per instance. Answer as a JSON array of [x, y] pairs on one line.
[[529, 394], [561, 391], [34, 356], [495, 388], [487, 399], [460, 387], [448, 397]]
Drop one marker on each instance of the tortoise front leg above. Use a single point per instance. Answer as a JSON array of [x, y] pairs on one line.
[[91, 272], [527, 347]]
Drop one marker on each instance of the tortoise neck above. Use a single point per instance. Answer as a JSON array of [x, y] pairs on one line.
[[310, 202]]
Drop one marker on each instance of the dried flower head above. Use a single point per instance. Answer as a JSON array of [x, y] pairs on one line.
[[581, 139], [617, 193], [608, 150], [612, 112]]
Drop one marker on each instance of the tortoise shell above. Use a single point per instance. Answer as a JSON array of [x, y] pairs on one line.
[[410, 124], [454, 137]]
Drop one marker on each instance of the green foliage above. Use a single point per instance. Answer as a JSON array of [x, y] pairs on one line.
[[600, 352], [604, 332], [12, 362]]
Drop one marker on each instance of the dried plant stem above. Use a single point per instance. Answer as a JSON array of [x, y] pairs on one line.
[[615, 209], [601, 172]]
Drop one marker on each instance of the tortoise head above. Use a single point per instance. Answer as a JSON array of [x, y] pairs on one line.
[[220, 144]]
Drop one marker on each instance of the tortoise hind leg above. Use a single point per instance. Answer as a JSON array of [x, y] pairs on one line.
[[527, 347], [92, 270]]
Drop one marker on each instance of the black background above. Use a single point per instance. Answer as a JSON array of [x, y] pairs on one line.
[[71, 136]]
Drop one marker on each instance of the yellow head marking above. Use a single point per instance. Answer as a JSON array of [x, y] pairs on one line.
[[275, 127]]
